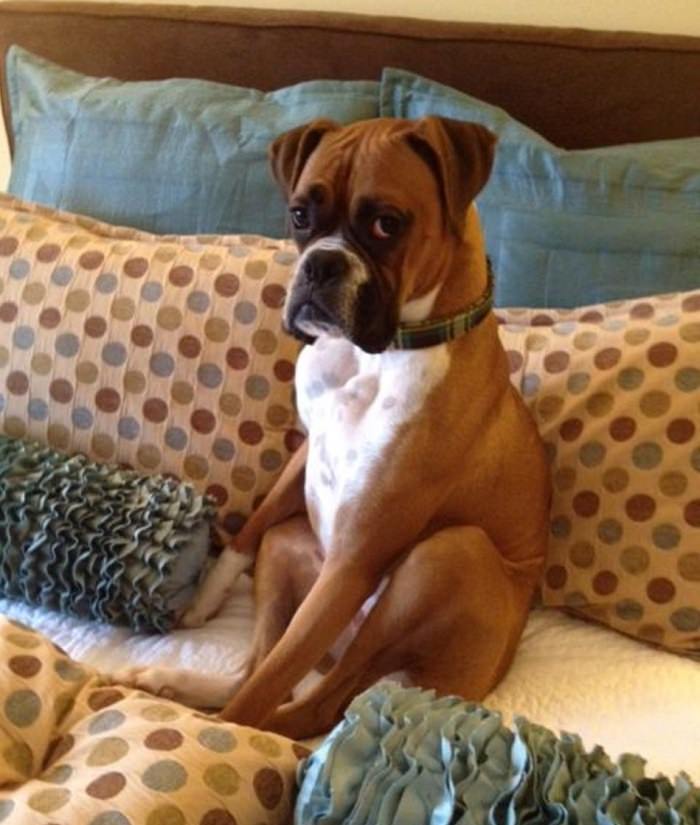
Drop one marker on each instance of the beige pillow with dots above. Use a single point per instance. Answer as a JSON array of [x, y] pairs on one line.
[[615, 390], [74, 748], [162, 353]]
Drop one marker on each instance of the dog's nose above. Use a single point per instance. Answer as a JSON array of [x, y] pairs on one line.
[[325, 265]]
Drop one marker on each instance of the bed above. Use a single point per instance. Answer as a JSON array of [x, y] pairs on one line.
[[569, 674]]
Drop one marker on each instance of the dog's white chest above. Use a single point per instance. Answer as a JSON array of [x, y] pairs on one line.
[[353, 406]]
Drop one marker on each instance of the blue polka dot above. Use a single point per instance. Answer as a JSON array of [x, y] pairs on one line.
[[151, 291], [20, 269], [128, 428], [23, 337], [38, 409], [82, 418], [531, 383], [62, 275], [106, 283]]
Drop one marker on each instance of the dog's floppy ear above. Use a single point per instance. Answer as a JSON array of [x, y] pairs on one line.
[[460, 155], [290, 151]]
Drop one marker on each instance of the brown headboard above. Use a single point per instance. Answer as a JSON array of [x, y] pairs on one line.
[[578, 88]]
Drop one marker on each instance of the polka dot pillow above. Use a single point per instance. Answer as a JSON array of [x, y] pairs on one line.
[[615, 390], [76, 750], [162, 353]]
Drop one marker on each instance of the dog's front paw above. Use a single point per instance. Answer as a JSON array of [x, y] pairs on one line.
[[159, 681]]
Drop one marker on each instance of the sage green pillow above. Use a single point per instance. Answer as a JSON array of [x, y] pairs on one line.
[[172, 156]]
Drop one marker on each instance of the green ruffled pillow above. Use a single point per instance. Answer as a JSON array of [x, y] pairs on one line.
[[96, 541]]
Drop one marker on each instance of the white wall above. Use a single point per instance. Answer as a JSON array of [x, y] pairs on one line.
[[669, 16]]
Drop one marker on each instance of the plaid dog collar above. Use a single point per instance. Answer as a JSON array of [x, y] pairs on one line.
[[430, 333]]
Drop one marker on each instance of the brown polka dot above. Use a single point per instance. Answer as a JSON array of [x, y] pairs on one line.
[[616, 479], [61, 391], [691, 303], [284, 370], [189, 346], [571, 429], [250, 432], [8, 312], [169, 318], [586, 503], [107, 785], [690, 332], [136, 267], [181, 276], [661, 590], [549, 407], [673, 484], [142, 335], [217, 330], [264, 341], [599, 404], [655, 403], [230, 404], [91, 260], [59, 748], [662, 354], [652, 633], [49, 318], [166, 815], [218, 493], [243, 478], [134, 382], [78, 300], [203, 421], [691, 513], [622, 428], [680, 430], [58, 436], [556, 576], [95, 326], [148, 455], [25, 666], [269, 787], [48, 252], [17, 383], [542, 320], [15, 427], [108, 400], [164, 739], [607, 358], [217, 816], [591, 316], [8, 246], [515, 360], [642, 311], [556, 362], [582, 554], [293, 440], [196, 467], [155, 410], [273, 295], [86, 372], [227, 284], [640, 507], [104, 697], [564, 478], [605, 583], [237, 358], [689, 567], [182, 393], [33, 294], [103, 445]]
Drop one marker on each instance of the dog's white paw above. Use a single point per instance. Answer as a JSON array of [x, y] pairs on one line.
[[160, 681]]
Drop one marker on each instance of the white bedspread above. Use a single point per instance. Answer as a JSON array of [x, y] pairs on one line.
[[568, 675]]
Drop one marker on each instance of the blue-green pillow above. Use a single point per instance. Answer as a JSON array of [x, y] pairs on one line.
[[169, 156], [568, 228]]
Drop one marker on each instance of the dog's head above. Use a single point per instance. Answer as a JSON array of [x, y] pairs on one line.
[[376, 208]]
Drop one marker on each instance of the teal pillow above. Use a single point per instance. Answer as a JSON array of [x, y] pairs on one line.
[[168, 156], [568, 228]]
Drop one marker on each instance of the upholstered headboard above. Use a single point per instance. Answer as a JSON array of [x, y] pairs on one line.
[[578, 88]]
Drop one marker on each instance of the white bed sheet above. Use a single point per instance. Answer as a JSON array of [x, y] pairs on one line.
[[568, 675]]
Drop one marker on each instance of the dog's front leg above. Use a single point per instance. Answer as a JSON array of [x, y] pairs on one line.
[[285, 499], [335, 598]]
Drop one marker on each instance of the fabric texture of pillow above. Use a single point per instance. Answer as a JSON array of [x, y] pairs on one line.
[[161, 353], [615, 391], [570, 228], [98, 542], [74, 748], [168, 156]]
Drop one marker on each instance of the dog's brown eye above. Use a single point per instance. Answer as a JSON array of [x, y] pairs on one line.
[[300, 217], [385, 226]]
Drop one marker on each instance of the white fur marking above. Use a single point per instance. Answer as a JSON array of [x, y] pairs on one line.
[[419, 309]]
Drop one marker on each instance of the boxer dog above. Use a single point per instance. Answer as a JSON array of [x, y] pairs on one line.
[[408, 533]]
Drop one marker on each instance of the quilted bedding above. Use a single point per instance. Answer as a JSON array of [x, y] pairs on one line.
[[74, 749]]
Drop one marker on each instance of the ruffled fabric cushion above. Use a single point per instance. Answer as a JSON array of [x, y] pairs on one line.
[[97, 541], [401, 756]]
